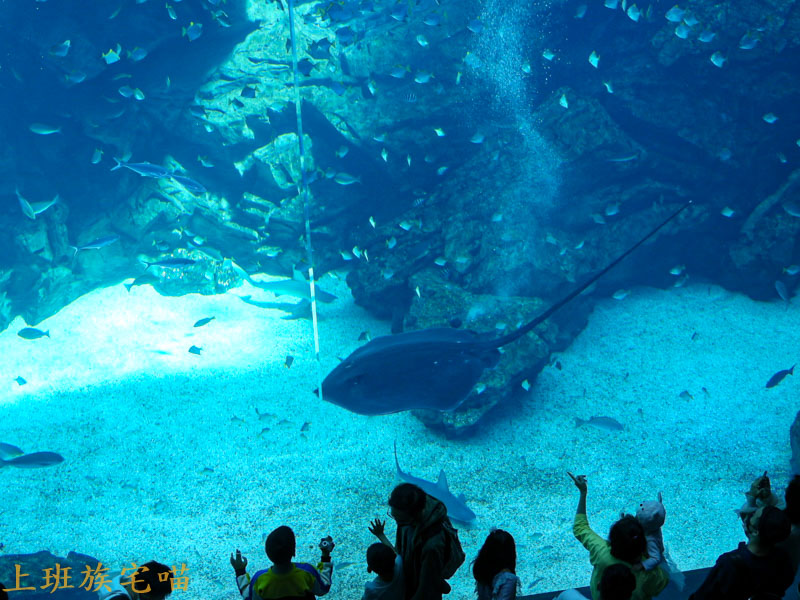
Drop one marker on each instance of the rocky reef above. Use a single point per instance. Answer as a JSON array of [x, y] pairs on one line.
[[468, 162]]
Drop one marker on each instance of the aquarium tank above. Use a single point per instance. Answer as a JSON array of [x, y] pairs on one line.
[[264, 260]]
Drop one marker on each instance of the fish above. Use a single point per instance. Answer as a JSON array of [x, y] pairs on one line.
[[289, 360], [195, 350], [779, 376], [137, 54], [145, 169], [563, 101], [44, 129], [190, 184], [783, 291], [634, 13], [770, 118], [706, 36], [31, 333], [675, 14], [294, 310], [682, 31], [142, 279], [112, 55], [61, 49], [548, 54], [594, 59], [296, 288], [31, 209], [97, 156], [74, 77], [475, 26], [607, 423], [433, 369], [677, 270], [9, 450], [34, 460], [457, 508], [346, 179], [192, 31], [749, 41], [96, 244], [20, 380], [718, 59], [170, 263], [727, 212], [204, 321]]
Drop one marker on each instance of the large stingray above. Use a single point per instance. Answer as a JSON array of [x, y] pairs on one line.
[[430, 368]]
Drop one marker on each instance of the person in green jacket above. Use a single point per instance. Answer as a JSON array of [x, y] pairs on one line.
[[626, 544]]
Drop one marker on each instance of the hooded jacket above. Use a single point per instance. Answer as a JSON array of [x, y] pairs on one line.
[[423, 548]]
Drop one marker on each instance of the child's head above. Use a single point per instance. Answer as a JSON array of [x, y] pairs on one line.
[[280, 545], [497, 553], [626, 539], [380, 560], [154, 577], [651, 515], [616, 583]]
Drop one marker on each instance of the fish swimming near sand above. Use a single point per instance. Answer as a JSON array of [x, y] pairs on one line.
[[9, 450], [432, 369], [296, 288], [34, 460], [607, 423], [295, 310], [204, 321], [457, 508], [31, 333], [145, 278], [779, 376]]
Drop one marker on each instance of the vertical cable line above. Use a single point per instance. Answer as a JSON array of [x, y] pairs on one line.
[[305, 195]]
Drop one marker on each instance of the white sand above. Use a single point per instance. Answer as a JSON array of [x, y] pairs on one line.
[[157, 469]]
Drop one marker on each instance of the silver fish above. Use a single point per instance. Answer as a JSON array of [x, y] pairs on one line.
[[145, 169], [606, 423], [34, 460]]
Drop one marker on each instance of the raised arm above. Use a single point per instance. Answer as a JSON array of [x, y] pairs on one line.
[[583, 488]]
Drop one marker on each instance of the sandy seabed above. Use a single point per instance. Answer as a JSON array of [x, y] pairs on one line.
[[182, 458]]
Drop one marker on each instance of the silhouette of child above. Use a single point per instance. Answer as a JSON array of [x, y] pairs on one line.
[[651, 514], [388, 566], [495, 567]]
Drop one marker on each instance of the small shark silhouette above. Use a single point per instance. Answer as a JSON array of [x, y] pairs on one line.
[[457, 508]]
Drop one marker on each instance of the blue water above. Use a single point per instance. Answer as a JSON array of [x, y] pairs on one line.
[[467, 164]]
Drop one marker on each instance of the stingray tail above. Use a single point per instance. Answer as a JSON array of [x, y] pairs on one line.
[[514, 335]]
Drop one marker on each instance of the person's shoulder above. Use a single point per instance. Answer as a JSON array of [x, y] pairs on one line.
[[306, 567]]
